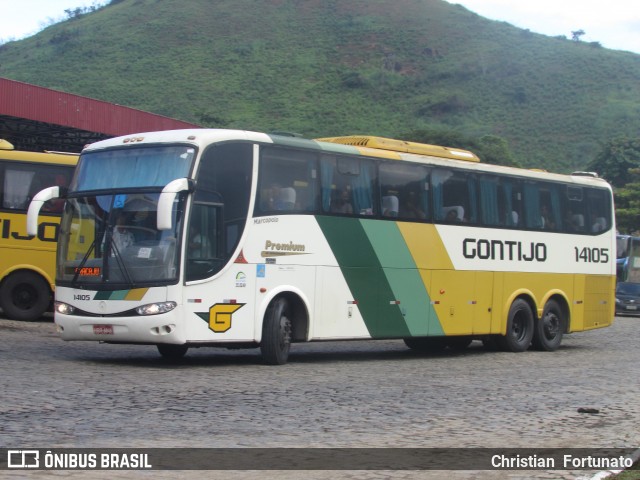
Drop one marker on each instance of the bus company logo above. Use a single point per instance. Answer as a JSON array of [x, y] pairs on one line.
[[273, 249], [219, 316], [484, 249], [23, 459], [47, 232]]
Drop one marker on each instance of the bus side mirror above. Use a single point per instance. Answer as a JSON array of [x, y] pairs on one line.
[[36, 204], [168, 195]]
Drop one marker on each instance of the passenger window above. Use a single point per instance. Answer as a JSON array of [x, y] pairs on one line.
[[500, 201], [489, 202], [287, 182], [599, 209], [542, 206], [550, 207], [454, 196], [574, 210], [404, 191], [17, 186], [347, 185], [21, 183]]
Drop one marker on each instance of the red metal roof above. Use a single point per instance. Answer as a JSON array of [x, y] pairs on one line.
[[22, 100]]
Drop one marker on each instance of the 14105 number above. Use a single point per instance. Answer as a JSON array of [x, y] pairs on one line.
[[592, 255]]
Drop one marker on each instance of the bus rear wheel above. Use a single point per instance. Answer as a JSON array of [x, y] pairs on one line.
[[24, 296], [548, 332], [520, 325], [171, 351], [276, 333]]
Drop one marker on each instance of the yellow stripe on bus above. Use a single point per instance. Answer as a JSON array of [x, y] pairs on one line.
[[136, 294]]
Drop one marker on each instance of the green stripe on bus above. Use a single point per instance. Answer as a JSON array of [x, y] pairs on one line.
[[403, 277], [134, 294], [114, 295], [364, 275]]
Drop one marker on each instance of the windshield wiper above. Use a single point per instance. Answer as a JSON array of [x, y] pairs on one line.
[[84, 260], [120, 262]]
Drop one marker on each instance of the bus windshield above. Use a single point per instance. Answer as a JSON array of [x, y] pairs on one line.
[[109, 236], [113, 240], [131, 168]]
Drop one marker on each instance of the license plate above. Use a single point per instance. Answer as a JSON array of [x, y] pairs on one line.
[[103, 329], [632, 307]]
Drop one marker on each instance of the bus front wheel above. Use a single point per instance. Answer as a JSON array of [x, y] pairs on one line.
[[550, 328], [24, 296], [520, 325], [276, 333]]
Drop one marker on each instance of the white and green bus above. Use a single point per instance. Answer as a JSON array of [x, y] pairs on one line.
[[223, 238]]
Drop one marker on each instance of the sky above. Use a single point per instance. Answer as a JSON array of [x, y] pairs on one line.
[[23, 18], [614, 24]]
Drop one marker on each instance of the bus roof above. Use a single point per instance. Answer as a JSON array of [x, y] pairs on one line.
[[59, 158], [356, 144], [403, 146]]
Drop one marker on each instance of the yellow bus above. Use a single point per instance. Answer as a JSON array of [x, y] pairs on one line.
[[204, 238], [27, 262]]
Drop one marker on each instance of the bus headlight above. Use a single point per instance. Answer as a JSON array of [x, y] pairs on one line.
[[156, 308], [63, 308]]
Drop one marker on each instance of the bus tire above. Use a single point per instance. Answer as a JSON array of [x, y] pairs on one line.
[[520, 325], [172, 351], [426, 344], [276, 333], [548, 332], [24, 296]]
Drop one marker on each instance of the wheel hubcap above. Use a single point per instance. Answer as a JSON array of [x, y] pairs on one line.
[[285, 326], [24, 296], [551, 325], [519, 327]]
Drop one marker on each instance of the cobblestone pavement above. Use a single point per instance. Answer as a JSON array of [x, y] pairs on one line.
[[55, 394]]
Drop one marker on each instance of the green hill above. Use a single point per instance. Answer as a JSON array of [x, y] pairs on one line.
[[337, 67]]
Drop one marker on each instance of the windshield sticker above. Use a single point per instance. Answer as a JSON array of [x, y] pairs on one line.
[[119, 201]]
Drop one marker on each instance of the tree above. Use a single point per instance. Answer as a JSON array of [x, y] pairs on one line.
[[495, 150], [619, 162], [628, 204], [576, 34], [615, 159]]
